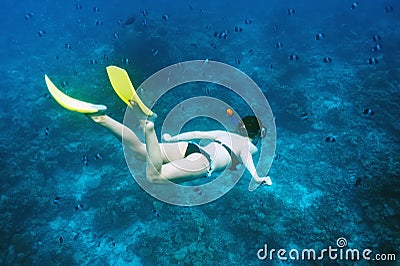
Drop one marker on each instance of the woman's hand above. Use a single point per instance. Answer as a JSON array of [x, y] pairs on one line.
[[166, 137], [264, 181]]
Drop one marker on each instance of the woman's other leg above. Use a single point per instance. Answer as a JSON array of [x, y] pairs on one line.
[[170, 151], [130, 140]]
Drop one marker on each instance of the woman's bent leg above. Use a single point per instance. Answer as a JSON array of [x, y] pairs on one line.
[[154, 155], [183, 169]]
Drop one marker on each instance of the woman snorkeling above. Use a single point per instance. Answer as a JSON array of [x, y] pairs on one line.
[[175, 159]]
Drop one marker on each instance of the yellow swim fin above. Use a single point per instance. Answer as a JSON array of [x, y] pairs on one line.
[[71, 103], [123, 87]]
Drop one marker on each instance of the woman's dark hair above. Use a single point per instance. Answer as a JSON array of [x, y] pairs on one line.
[[252, 125]]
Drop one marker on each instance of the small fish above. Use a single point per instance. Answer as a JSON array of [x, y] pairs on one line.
[[373, 61], [376, 38], [29, 15], [78, 6], [144, 12], [99, 23], [129, 21], [262, 203], [93, 61], [358, 182], [213, 45], [125, 61], [223, 35], [156, 213], [368, 111], [320, 36], [248, 21], [56, 200], [113, 242], [193, 45], [154, 52], [98, 156], [330, 139], [64, 84], [67, 46], [47, 131], [96, 10], [274, 29], [85, 160], [164, 18], [376, 48], [354, 5], [277, 156], [61, 239], [237, 61], [293, 57], [238, 29], [304, 116], [389, 9], [144, 22], [41, 33], [327, 60], [116, 35], [78, 207], [251, 51], [208, 27], [278, 45], [291, 11]]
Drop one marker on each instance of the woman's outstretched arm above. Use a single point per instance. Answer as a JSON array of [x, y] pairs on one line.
[[193, 135], [247, 160]]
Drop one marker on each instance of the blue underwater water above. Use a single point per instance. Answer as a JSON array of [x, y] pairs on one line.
[[336, 171]]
